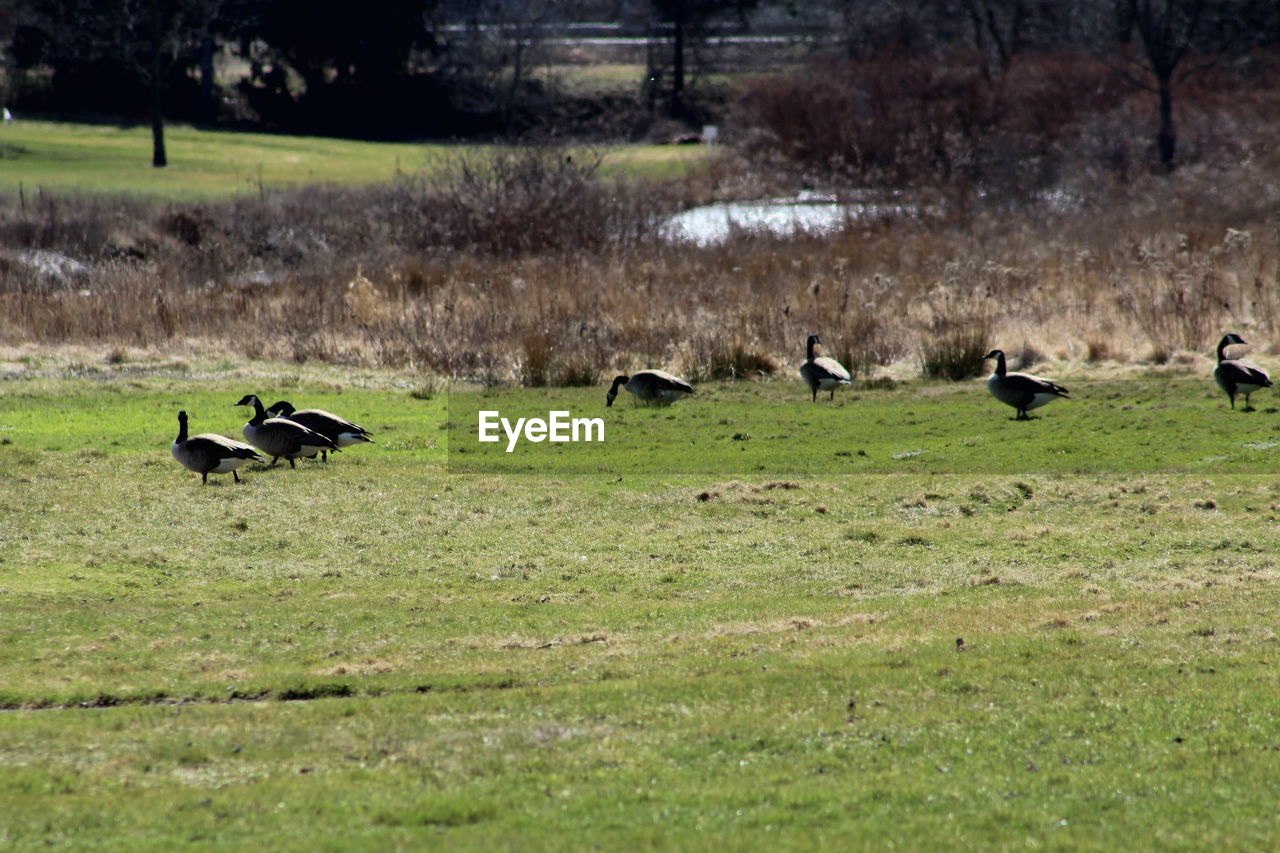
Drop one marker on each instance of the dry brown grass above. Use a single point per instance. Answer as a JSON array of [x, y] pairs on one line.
[[532, 269], [935, 294]]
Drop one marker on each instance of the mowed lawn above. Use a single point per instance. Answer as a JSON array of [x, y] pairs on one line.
[[747, 621], [66, 157]]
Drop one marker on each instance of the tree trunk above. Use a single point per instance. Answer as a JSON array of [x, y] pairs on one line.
[[677, 59], [979, 40], [1166, 140], [517, 77], [158, 157]]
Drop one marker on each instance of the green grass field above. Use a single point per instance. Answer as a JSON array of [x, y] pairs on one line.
[[732, 625], [39, 155]]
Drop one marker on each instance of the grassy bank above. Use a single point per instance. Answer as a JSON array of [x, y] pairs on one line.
[[208, 165], [694, 653]]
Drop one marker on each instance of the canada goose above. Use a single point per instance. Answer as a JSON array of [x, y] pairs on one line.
[[1236, 376], [210, 454], [279, 437], [655, 387], [341, 431], [1020, 390], [822, 374]]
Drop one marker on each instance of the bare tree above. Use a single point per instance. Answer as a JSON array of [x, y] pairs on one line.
[[500, 44], [148, 38], [1175, 39], [868, 27], [684, 21], [8, 25], [998, 27], [501, 40]]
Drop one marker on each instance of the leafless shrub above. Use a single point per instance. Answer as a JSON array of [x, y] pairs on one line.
[[535, 368], [1098, 350], [1025, 357], [906, 120], [956, 336], [429, 388], [576, 371], [729, 357], [518, 201], [955, 349], [1174, 296], [864, 342]]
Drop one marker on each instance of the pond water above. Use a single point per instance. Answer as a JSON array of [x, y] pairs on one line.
[[808, 212]]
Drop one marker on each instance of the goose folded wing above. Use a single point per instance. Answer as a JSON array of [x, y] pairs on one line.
[[668, 381], [222, 447], [327, 422], [1026, 384], [1246, 372], [831, 368]]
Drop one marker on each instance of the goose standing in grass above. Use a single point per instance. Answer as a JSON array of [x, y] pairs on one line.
[[1236, 376], [340, 430], [210, 454], [1021, 390], [280, 437], [822, 374], [652, 387]]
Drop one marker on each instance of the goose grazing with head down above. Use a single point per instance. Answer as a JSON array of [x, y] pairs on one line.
[[340, 430], [822, 374], [280, 437], [1021, 390], [210, 454], [1236, 376], [652, 387]]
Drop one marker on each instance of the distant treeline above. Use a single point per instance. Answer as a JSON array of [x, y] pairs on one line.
[[380, 69], [413, 69]]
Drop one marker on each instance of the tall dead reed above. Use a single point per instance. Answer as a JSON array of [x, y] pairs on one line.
[[955, 338]]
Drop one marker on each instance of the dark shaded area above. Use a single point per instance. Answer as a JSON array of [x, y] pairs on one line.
[[861, 80]]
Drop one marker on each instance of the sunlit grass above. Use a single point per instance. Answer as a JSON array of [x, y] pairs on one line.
[[40, 155], [763, 428], [690, 653]]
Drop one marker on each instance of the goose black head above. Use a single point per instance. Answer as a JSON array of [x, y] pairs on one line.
[[618, 381]]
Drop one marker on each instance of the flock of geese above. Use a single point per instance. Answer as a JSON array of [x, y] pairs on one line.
[[1022, 391], [280, 432], [1025, 392], [283, 432]]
